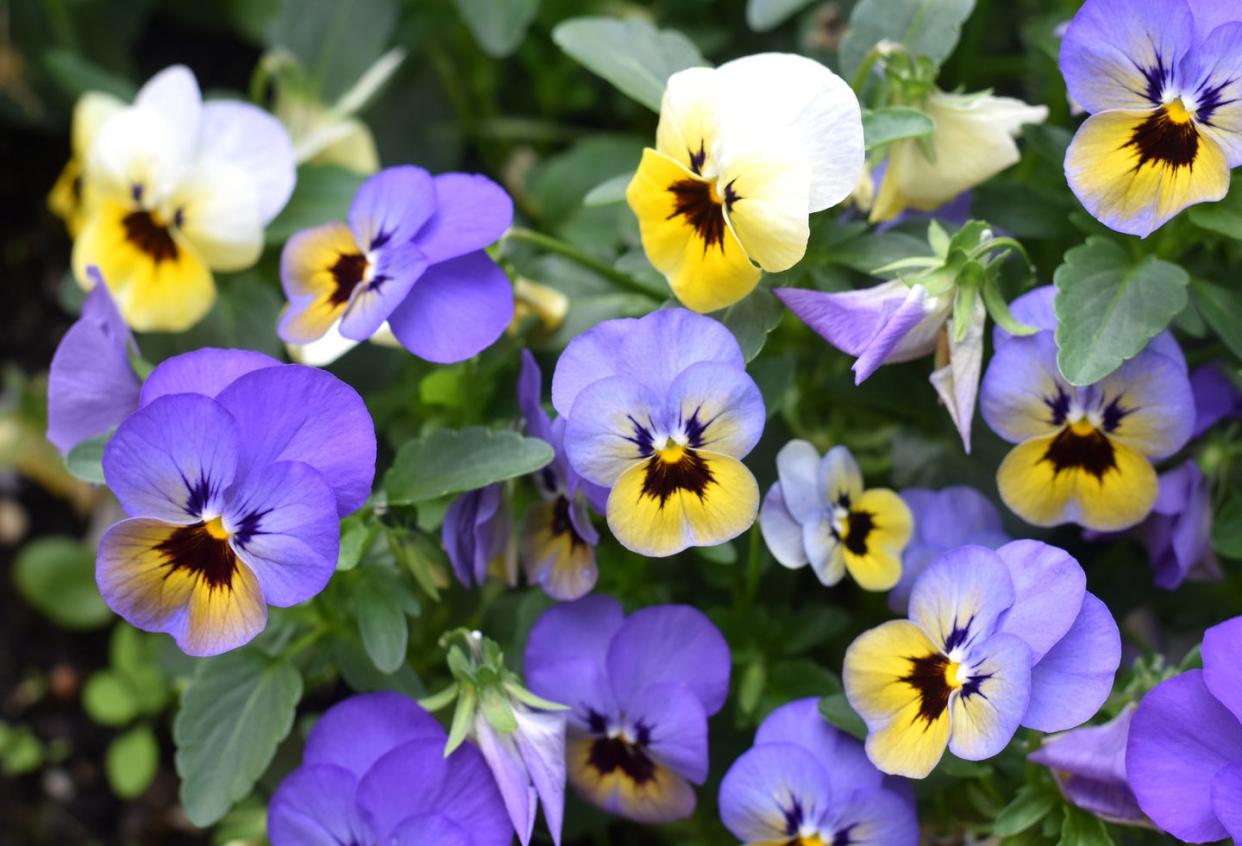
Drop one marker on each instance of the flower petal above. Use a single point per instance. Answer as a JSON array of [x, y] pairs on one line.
[[663, 796], [675, 724], [282, 522], [823, 550], [590, 357], [689, 119], [391, 206], [319, 268], [842, 757], [665, 343], [217, 211], [173, 95], [541, 740], [456, 310], [802, 478], [396, 270], [314, 806], [1022, 389], [840, 479], [1221, 672], [873, 558], [1049, 586], [1075, 677], [957, 383], [566, 654], [1213, 72], [297, 413], [503, 758], [781, 532], [612, 426], [249, 138], [769, 178], [962, 597], [1180, 738], [554, 555], [1089, 763], [720, 407], [357, 732], [766, 783], [676, 644], [173, 459], [1227, 798], [1156, 402], [986, 711], [472, 212], [206, 371]]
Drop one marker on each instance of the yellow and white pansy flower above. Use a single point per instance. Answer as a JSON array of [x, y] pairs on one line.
[[744, 154], [175, 188], [65, 199], [973, 140]]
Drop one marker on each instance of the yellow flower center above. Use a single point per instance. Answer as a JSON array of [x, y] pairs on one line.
[[811, 840], [1177, 112], [672, 452], [215, 528], [713, 194], [953, 675], [1082, 427]]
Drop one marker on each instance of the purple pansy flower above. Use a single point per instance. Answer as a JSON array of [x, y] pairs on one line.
[[1178, 532], [1162, 81], [558, 539], [1089, 765], [374, 773], [661, 411], [640, 690], [1184, 756], [476, 535], [995, 640], [1082, 454], [235, 473], [1217, 398], [943, 520], [804, 782], [412, 257], [529, 766], [92, 386]]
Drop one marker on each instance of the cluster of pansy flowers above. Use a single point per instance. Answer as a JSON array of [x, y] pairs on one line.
[[235, 469]]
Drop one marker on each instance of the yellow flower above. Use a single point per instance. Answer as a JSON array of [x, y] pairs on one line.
[[744, 153], [89, 113], [973, 141]]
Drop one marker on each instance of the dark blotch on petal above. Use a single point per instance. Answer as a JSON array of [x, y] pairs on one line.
[[609, 754], [927, 676], [562, 524], [858, 527], [347, 271], [194, 548], [1090, 451], [1164, 141], [696, 202], [150, 237], [665, 478]]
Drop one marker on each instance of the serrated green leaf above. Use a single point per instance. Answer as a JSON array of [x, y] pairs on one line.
[[928, 28], [86, 459], [57, 576], [235, 711], [132, 761], [836, 709], [1030, 805], [631, 54], [1221, 307], [884, 126], [762, 15], [498, 25], [451, 461], [1109, 306]]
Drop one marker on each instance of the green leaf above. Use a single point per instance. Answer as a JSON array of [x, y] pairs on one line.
[[322, 195], [57, 576], [752, 319], [1227, 528], [498, 25], [1109, 306], [1083, 829], [359, 672], [108, 699], [335, 39], [236, 709], [1221, 307], [884, 126], [928, 28], [762, 15], [20, 750], [609, 191], [631, 54], [86, 459], [356, 537], [133, 656], [1030, 805], [381, 620], [132, 761], [836, 709], [75, 75], [451, 461], [1223, 218]]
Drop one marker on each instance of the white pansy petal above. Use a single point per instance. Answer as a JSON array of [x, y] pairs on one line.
[[764, 181], [689, 116], [251, 139], [799, 99], [957, 381], [173, 95], [89, 114], [323, 351], [781, 531], [823, 550], [134, 148], [216, 210], [797, 465], [839, 477]]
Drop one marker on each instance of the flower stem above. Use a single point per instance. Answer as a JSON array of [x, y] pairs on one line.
[[555, 245]]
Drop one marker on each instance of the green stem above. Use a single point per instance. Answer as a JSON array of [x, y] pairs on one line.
[[859, 81], [555, 245], [754, 559]]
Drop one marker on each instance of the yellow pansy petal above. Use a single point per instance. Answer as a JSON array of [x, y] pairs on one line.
[[553, 555], [65, 198], [89, 114], [158, 281], [223, 617], [319, 269], [771, 184], [627, 784], [688, 119], [1084, 478], [1134, 170], [686, 235], [877, 530], [659, 508], [909, 746]]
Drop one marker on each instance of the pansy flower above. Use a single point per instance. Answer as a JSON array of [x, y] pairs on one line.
[[660, 410], [640, 690], [558, 540], [1178, 532], [1084, 453], [1217, 398], [1089, 765], [1162, 80], [411, 258], [744, 153], [92, 386], [476, 535], [995, 640], [973, 140], [235, 473], [374, 773], [804, 783], [176, 188], [943, 520], [1184, 756], [66, 198], [818, 513]]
